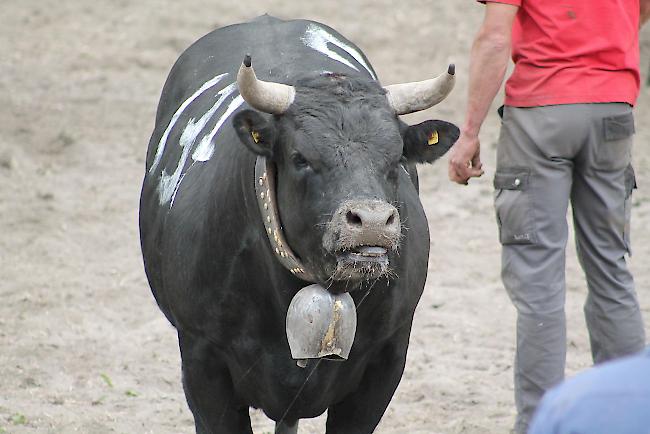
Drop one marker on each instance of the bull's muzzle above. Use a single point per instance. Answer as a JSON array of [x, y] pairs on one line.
[[370, 222], [358, 223], [360, 235]]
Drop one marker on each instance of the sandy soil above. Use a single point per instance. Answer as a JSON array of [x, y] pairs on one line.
[[83, 347]]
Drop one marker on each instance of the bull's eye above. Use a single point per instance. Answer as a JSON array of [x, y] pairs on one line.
[[299, 161]]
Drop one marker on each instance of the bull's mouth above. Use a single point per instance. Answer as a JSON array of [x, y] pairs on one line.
[[361, 262], [364, 255]]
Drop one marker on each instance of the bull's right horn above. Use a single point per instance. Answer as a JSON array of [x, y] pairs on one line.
[[266, 96], [407, 98]]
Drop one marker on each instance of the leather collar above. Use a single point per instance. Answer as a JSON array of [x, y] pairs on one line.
[[266, 199]]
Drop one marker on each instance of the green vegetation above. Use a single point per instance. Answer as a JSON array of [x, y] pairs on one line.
[[107, 380], [18, 419]]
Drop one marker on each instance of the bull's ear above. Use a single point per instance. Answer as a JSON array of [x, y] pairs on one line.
[[256, 131], [428, 141]]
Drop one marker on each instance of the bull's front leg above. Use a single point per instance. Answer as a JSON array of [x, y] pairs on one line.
[[209, 390], [361, 411]]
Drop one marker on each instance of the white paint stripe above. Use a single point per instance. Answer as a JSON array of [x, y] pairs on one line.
[[171, 202], [193, 128], [163, 140], [169, 184], [206, 147], [317, 38]]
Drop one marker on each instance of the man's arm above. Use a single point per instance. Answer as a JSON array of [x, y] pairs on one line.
[[645, 12], [489, 60]]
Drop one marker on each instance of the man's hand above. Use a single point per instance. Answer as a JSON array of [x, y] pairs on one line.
[[465, 159]]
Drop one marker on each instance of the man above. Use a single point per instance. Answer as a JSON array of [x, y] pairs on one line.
[[611, 398], [566, 135]]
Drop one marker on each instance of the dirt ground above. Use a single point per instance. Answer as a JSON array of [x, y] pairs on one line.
[[84, 348]]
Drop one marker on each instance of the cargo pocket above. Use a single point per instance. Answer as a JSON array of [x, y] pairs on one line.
[[513, 205], [630, 185], [615, 150]]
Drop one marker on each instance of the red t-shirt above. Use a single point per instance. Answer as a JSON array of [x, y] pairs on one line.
[[574, 51]]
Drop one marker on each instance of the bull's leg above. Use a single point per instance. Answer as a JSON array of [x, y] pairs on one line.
[[209, 390], [361, 411], [286, 428]]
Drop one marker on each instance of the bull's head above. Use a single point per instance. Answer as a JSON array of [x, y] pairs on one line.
[[340, 151]]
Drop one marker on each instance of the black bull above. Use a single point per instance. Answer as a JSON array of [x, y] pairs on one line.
[[209, 262]]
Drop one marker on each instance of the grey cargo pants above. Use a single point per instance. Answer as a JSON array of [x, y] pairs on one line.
[[547, 156]]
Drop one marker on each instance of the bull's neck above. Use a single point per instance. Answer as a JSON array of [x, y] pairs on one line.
[[266, 199]]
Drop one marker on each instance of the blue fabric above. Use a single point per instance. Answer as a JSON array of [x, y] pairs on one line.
[[612, 398]]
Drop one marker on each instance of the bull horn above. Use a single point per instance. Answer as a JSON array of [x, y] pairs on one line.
[[407, 98], [266, 96]]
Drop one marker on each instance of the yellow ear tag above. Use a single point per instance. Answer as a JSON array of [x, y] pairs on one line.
[[256, 136], [433, 138]]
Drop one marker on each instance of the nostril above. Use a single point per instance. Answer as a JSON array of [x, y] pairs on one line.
[[353, 218], [390, 220]]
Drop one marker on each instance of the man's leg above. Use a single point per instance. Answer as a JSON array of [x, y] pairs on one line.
[[533, 183], [600, 198]]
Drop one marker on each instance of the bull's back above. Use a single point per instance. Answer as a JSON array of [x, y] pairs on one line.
[[281, 52]]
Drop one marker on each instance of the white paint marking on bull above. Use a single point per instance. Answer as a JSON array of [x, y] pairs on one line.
[[163, 140], [203, 152], [206, 147], [171, 202], [317, 38], [169, 184]]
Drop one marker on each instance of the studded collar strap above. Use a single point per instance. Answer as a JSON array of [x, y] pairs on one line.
[[265, 191]]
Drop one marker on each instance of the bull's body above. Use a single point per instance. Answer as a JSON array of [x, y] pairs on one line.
[[210, 265]]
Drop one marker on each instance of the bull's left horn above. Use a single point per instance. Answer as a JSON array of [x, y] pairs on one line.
[[407, 98], [266, 96]]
